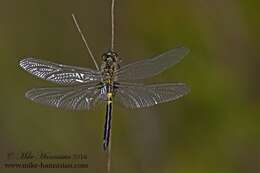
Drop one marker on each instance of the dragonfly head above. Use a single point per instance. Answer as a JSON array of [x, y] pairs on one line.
[[110, 57]]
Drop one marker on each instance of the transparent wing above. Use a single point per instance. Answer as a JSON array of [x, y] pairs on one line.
[[139, 96], [58, 73], [70, 98], [151, 67]]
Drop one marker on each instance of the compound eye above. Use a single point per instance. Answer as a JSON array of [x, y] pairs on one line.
[[108, 54]]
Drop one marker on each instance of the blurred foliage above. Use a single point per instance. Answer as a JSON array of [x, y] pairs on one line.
[[213, 129]]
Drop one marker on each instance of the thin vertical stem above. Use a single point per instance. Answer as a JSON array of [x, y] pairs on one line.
[[84, 40], [112, 25], [112, 49]]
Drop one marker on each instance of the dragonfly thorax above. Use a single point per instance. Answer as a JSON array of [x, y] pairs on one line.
[[109, 65]]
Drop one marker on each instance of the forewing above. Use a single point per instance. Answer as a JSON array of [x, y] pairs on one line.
[[139, 96], [151, 67], [58, 73], [70, 98]]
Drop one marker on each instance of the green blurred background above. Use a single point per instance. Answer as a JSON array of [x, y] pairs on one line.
[[213, 129]]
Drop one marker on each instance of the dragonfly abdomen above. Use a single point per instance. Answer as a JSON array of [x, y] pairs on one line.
[[108, 121]]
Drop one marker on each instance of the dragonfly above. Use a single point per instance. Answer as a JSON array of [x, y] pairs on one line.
[[82, 88]]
